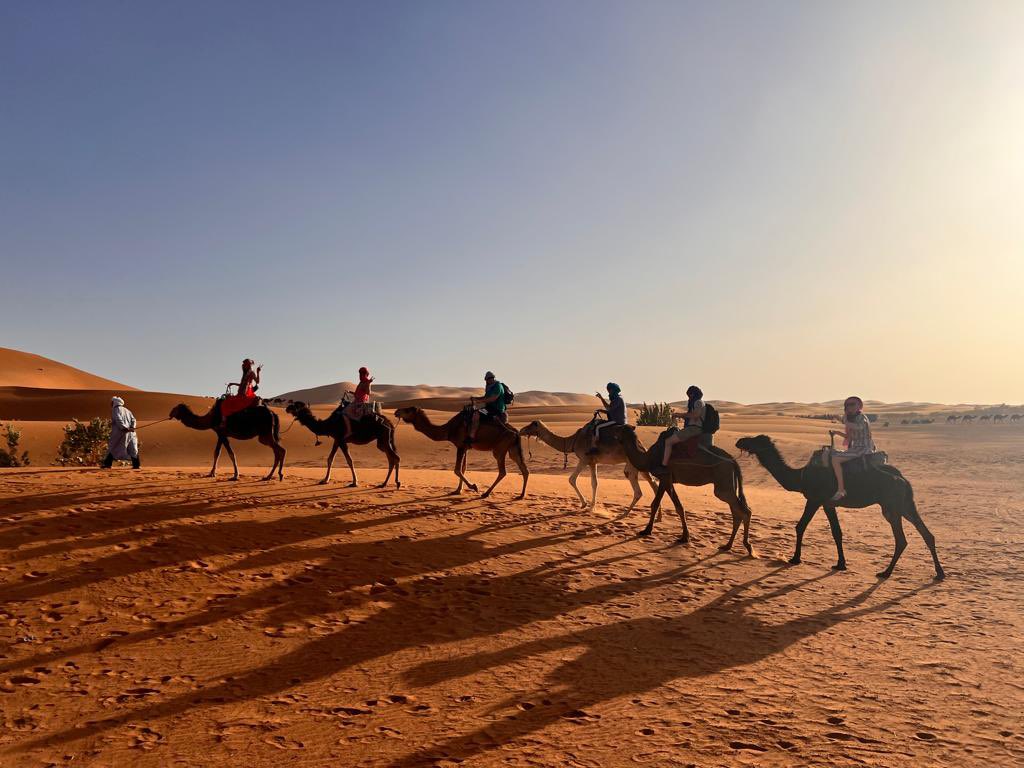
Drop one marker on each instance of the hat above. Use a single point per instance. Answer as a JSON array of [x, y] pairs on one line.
[[489, 375], [614, 388], [116, 401]]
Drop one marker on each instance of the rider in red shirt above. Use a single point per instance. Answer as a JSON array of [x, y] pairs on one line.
[[357, 408]]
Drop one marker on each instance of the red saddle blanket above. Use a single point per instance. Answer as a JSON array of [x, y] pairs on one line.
[[235, 403]]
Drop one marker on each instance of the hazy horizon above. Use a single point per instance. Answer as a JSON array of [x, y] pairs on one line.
[[779, 202]]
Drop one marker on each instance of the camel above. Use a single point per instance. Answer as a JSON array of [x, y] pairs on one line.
[[986, 417], [256, 421], [492, 436], [725, 474], [883, 485], [966, 419], [952, 419], [999, 417], [371, 428], [1017, 417], [578, 444]]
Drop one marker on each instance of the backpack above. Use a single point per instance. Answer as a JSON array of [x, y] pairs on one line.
[[711, 420], [509, 395]]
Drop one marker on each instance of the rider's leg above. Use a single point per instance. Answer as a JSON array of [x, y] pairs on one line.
[[837, 467]]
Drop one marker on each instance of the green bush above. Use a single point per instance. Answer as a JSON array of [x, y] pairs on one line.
[[656, 415], [10, 457], [84, 444]]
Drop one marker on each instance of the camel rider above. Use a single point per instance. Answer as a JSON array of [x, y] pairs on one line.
[[361, 398], [124, 443], [246, 392], [614, 409], [492, 404], [857, 438], [693, 421]]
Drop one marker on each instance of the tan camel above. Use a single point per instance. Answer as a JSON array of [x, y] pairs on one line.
[[492, 436], [578, 444], [724, 473]]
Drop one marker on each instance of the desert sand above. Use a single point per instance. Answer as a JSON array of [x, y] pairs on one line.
[[162, 618]]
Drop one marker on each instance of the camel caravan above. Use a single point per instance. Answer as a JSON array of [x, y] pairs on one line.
[[854, 477]]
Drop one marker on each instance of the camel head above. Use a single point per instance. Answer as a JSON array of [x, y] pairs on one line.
[[407, 414], [296, 407], [755, 445], [178, 411], [531, 430]]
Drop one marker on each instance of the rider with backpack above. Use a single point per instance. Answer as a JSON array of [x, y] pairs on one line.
[[497, 397], [693, 420]]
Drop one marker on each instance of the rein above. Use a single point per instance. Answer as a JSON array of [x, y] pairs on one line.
[[152, 423]]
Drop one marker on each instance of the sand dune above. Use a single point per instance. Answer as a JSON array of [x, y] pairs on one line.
[[23, 369], [398, 393]]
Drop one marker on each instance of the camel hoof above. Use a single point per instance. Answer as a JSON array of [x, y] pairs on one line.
[[352, 485], [883, 574], [398, 485], [683, 540], [794, 560], [323, 482], [520, 497], [839, 567], [644, 533], [233, 479], [725, 547], [940, 575]]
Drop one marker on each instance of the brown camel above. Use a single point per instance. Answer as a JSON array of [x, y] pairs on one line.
[[371, 428], [721, 469], [492, 436], [256, 421], [578, 444]]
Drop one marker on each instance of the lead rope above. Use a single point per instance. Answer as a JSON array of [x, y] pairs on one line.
[[152, 423]]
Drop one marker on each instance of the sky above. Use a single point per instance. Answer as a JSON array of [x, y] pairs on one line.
[[787, 201]]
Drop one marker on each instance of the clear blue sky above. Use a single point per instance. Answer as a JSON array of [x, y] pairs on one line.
[[779, 201]]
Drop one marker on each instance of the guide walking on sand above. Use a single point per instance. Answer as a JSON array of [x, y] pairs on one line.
[[124, 442]]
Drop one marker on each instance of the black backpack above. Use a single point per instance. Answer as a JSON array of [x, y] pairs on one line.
[[509, 394], [711, 420]]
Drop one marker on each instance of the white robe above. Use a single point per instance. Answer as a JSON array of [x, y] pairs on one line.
[[124, 445]]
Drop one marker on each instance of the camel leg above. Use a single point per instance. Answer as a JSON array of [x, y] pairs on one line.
[[654, 507], [330, 463], [915, 519], [810, 509], [499, 456], [520, 460], [351, 466], [572, 481], [837, 537], [268, 441], [685, 538], [384, 446], [729, 497], [231, 455], [216, 456], [465, 463], [633, 476], [460, 471], [896, 521], [593, 485]]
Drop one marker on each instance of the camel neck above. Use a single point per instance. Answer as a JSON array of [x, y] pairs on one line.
[[317, 426], [424, 425], [785, 475], [559, 443]]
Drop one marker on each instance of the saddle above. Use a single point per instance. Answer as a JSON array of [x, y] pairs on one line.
[[823, 458], [608, 435], [688, 451]]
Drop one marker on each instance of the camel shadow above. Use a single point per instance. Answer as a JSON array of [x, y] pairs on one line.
[[659, 650]]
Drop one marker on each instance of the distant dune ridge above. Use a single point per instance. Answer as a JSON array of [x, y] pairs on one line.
[[35, 388], [23, 369]]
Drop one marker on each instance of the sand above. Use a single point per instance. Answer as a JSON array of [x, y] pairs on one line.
[[161, 618]]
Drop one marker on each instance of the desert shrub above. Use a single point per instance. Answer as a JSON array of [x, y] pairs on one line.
[[84, 444], [9, 457], [655, 415]]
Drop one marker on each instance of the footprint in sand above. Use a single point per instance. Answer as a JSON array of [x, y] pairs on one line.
[[282, 742]]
